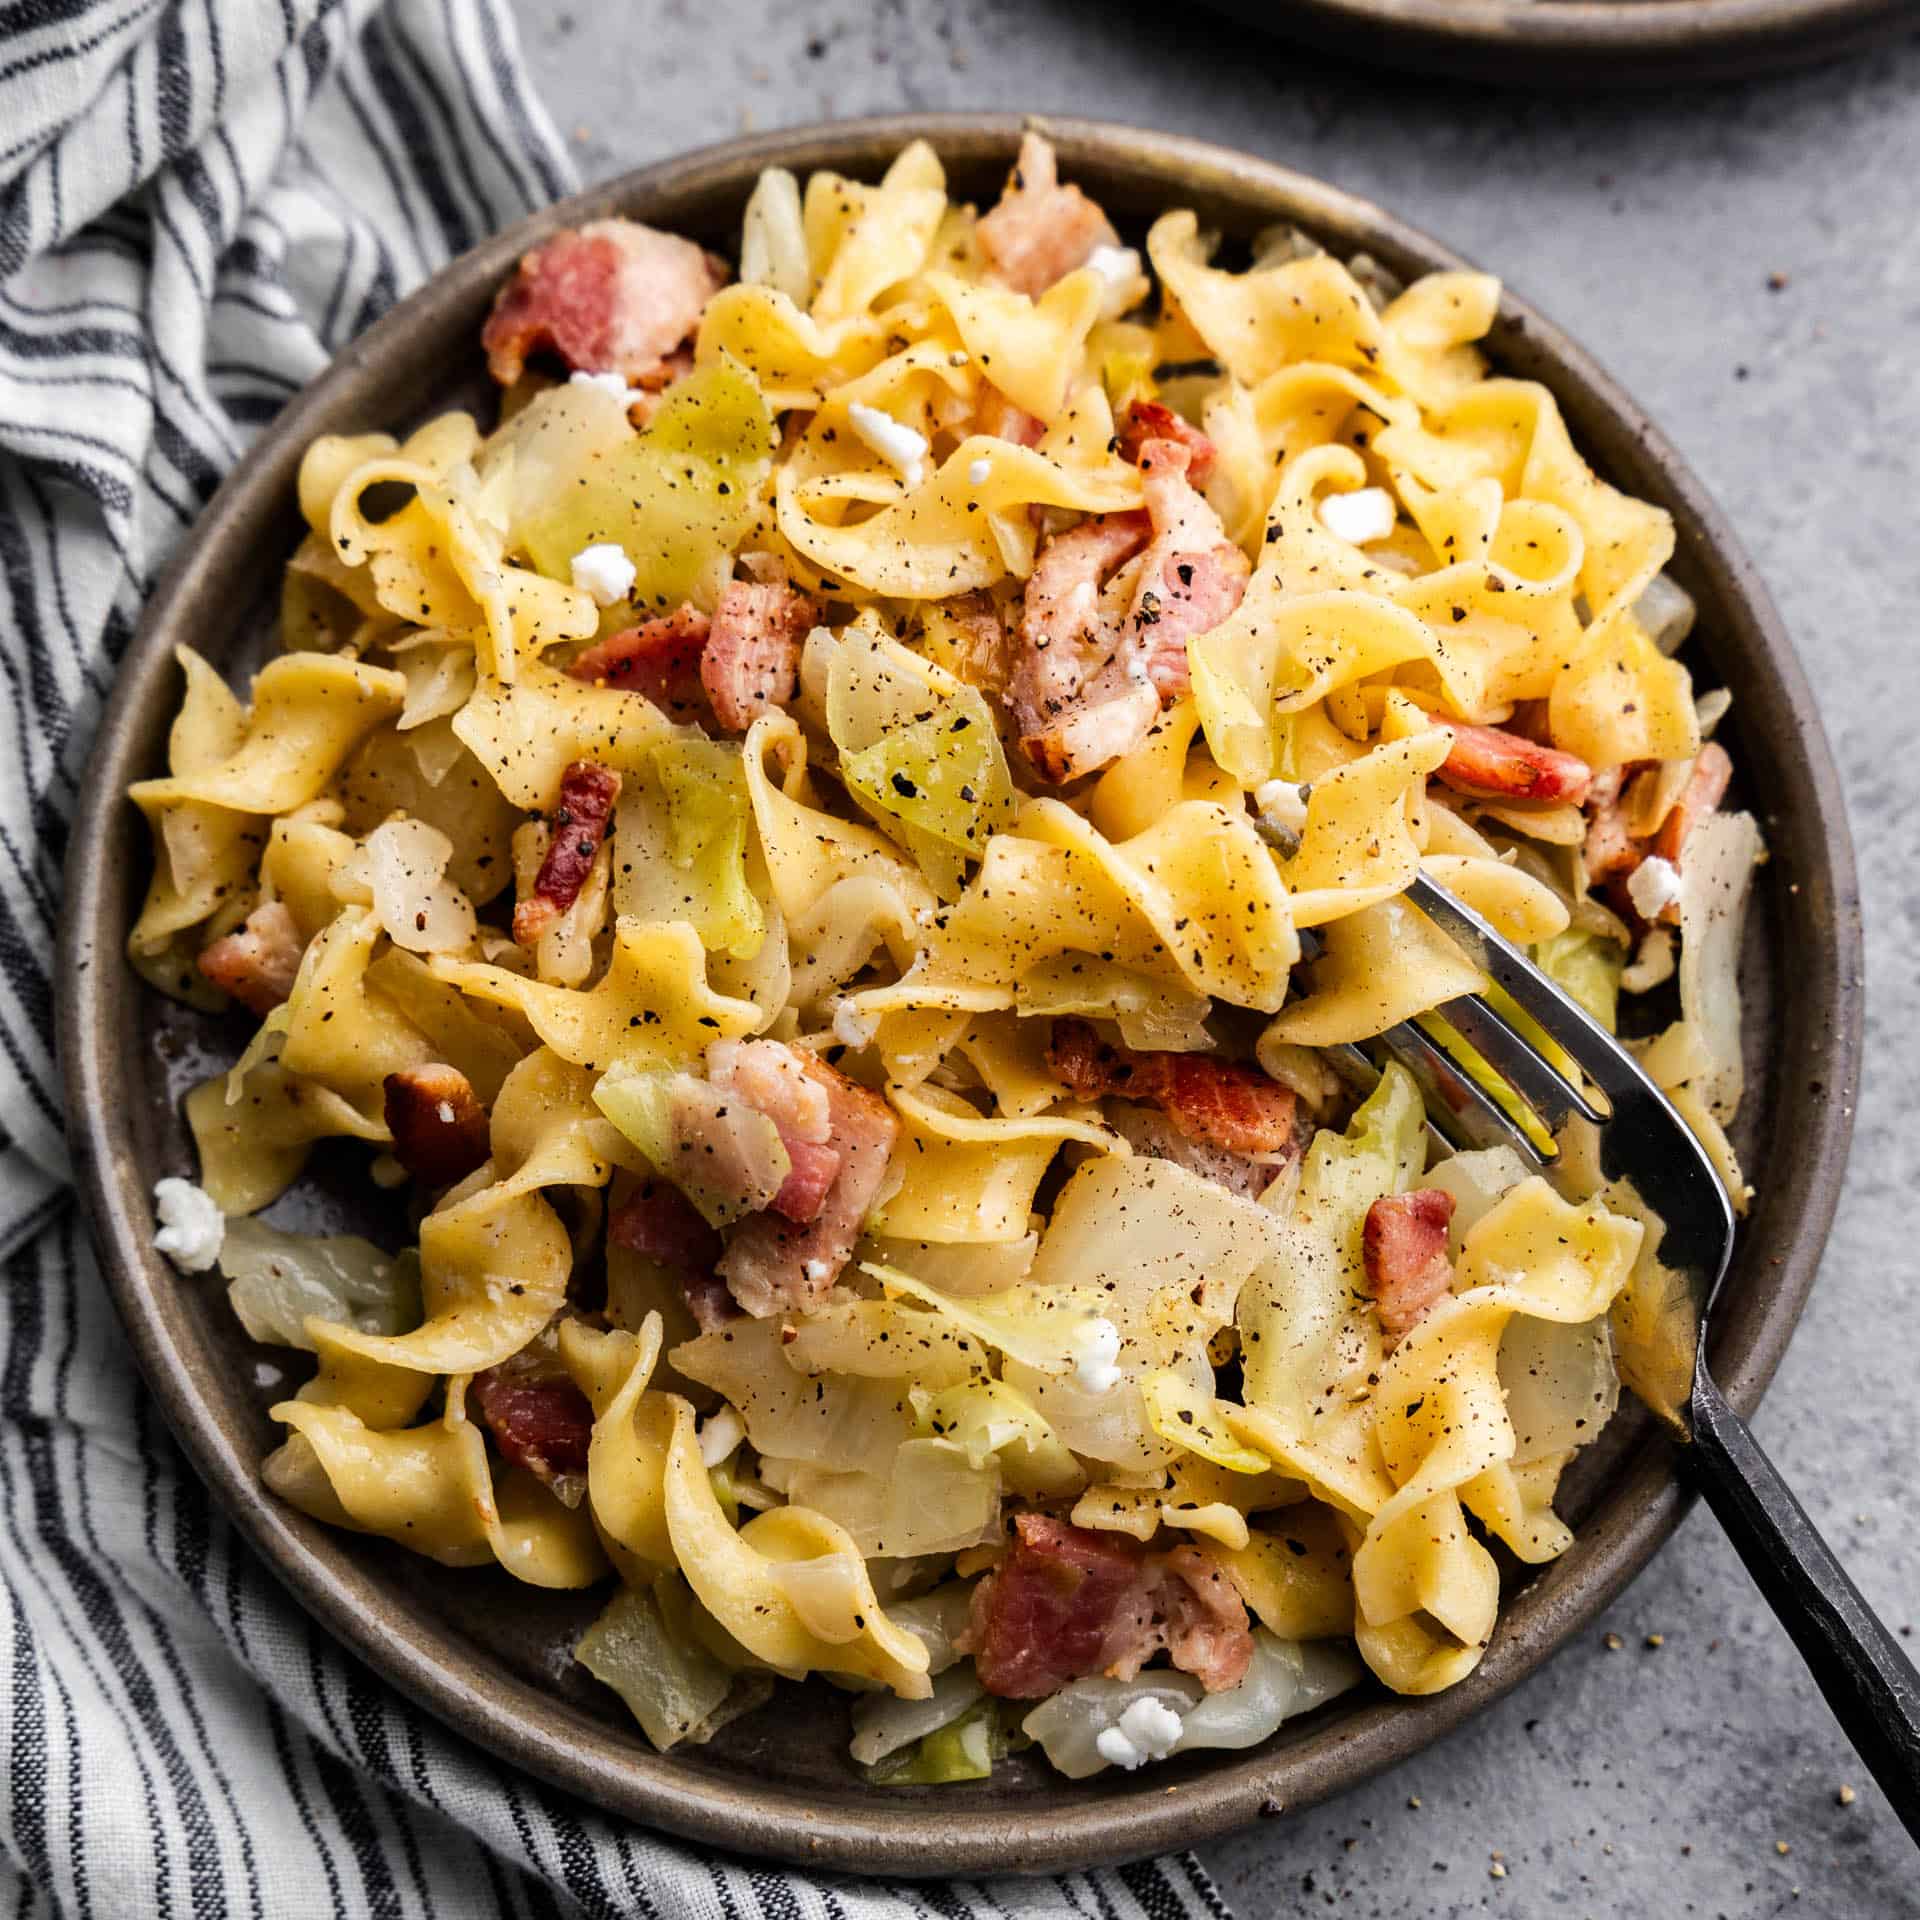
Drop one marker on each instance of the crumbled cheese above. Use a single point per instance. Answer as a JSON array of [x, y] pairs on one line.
[[603, 571], [851, 1027], [1148, 1730], [979, 472], [1096, 1346], [192, 1227], [1360, 517], [445, 1111], [719, 1433], [817, 1271], [899, 446], [1653, 887], [613, 383], [1283, 803]]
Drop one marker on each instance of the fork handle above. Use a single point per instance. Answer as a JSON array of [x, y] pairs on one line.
[[1869, 1682]]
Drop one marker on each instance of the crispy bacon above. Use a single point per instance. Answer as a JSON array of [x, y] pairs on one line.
[[1207, 1630], [659, 657], [775, 1080], [774, 1265], [1150, 1131], [1040, 231], [1706, 787], [1218, 1102], [1610, 850], [1150, 420], [1404, 1246], [259, 961], [438, 1125], [538, 1418], [1067, 1601], [752, 656], [587, 794], [1075, 702], [658, 1222], [1192, 576], [609, 297], [1492, 764]]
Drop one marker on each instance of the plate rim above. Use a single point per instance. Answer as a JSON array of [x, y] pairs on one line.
[[483, 1699], [1621, 42]]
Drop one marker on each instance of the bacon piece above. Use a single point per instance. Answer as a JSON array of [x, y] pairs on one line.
[[775, 1079], [658, 1222], [1192, 576], [1149, 420], [1148, 1130], [259, 961], [1218, 1102], [1067, 1601], [1404, 1245], [538, 1418], [1040, 231], [1004, 420], [774, 1265], [609, 297], [438, 1125], [1207, 1631], [752, 657], [1706, 787], [1071, 695], [1492, 764], [1610, 851], [587, 794], [659, 657]]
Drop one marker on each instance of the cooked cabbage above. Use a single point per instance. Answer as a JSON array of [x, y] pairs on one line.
[[1287, 1678], [280, 1280], [676, 498], [963, 1749], [1722, 852], [708, 813], [929, 1498], [685, 1126], [1560, 1383], [672, 1685], [883, 1723], [1587, 967], [992, 1420]]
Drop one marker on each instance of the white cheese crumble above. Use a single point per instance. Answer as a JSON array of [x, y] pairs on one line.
[[1119, 267], [1653, 887], [192, 1227], [817, 1270], [899, 446], [851, 1027], [613, 383], [1284, 803], [719, 1433], [979, 472], [1148, 1730], [1096, 1346], [603, 571], [1360, 517]]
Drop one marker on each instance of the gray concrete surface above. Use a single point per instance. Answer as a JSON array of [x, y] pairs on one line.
[[1701, 1777]]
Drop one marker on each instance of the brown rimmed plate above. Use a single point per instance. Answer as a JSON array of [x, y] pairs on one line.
[[1578, 45], [491, 1657]]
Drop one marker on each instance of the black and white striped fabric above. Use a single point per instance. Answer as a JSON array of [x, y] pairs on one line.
[[201, 201]]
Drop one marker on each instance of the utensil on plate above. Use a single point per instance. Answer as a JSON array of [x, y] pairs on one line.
[[1868, 1681]]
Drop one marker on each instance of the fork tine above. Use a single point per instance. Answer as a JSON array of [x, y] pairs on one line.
[[1594, 1050], [1460, 1110], [1524, 1068]]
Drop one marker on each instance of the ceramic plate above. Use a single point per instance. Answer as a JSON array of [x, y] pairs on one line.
[[492, 1657]]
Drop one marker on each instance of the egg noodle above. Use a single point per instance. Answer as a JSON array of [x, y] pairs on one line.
[[823, 852]]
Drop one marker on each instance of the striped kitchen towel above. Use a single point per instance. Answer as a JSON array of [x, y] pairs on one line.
[[202, 201]]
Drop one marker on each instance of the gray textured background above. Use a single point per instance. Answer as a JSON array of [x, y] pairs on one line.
[[1700, 1777]]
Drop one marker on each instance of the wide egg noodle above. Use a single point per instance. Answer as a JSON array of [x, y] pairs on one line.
[[431, 1489], [1426, 1590]]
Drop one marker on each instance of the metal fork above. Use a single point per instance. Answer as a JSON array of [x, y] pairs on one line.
[[1868, 1681]]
